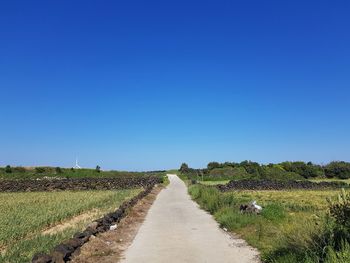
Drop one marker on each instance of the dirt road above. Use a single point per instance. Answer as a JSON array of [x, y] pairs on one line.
[[177, 230]]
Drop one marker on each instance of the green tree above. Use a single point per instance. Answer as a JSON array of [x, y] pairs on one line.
[[338, 169], [213, 165], [184, 168], [8, 169]]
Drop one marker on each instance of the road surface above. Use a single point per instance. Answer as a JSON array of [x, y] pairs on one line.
[[177, 230]]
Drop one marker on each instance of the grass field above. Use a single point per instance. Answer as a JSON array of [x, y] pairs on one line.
[[214, 182], [318, 180], [285, 214], [25, 216], [40, 172]]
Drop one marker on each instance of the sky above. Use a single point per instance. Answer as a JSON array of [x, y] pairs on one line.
[[147, 85]]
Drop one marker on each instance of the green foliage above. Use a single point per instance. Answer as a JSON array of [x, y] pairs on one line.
[[58, 170], [338, 170], [325, 240], [287, 230], [184, 168], [282, 171], [19, 169], [98, 169], [276, 172], [251, 167], [213, 165], [39, 170], [230, 219], [8, 169], [273, 212], [306, 170], [340, 210], [339, 256]]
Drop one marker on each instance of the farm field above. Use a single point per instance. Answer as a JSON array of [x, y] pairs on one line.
[[318, 180], [57, 172], [214, 182], [33, 222], [288, 219]]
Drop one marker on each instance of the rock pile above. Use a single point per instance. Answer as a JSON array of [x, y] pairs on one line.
[[27, 185], [278, 185]]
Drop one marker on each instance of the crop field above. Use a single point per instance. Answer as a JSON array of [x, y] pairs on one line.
[[33, 222], [319, 180], [214, 182], [288, 216]]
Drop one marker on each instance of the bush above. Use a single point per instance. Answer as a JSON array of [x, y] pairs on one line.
[[58, 170], [229, 173], [39, 170], [306, 170], [98, 169], [338, 170], [340, 211], [213, 165], [8, 169], [184, 168]]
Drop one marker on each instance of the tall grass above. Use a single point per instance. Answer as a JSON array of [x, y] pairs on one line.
[[294, 226]]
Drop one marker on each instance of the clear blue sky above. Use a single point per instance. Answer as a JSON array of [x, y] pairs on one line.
[[140, 85]]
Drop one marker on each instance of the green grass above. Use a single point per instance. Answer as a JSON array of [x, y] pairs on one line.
[[30, 173], [285, 214], [24, 216]]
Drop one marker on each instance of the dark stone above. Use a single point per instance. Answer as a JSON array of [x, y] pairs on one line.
[[74, 242], [41, 258], [122, 182], [62, 253]]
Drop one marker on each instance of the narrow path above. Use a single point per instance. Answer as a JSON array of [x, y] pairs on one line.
[[177, 230]]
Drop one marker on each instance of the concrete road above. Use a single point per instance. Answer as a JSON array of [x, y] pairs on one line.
[[177, 230]]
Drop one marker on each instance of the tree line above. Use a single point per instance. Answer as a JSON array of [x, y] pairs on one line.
[[335, 169]]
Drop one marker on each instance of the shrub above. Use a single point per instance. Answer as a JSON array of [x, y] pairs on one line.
[[251, 167], [306, 170], [213, 165], [340, 211], [229, 173], [58, 170], [98, 169], [39, 170], [8, 169], [338, 169], [184, 168]]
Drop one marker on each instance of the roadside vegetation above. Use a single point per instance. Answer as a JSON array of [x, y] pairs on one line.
[[25, 218], [294, 226]]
